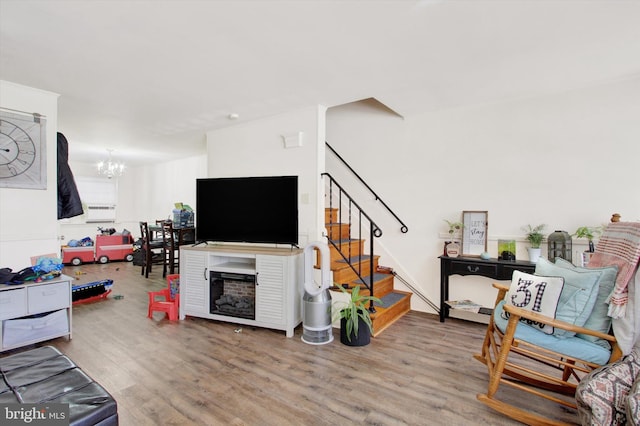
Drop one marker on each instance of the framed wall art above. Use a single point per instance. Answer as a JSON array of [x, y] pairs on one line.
[[23, 162], [474, 232]]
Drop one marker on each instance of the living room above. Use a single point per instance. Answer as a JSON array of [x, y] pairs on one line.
[[562, 152], [461, 157], [489, 173]]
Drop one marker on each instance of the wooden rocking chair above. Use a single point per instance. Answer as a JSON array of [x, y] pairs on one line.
[[512, 361], [549, 364]]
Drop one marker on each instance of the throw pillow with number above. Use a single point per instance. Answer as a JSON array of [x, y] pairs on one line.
[[536, 294]]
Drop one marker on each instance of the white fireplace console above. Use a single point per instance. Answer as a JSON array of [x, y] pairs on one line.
[[278, 283]]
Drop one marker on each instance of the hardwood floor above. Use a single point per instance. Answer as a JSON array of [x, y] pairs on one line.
[[202, 372]]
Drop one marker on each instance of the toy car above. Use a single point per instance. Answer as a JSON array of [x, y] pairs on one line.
[[107, 248]]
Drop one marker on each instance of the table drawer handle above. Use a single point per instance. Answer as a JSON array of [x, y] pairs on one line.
[[473, 268]]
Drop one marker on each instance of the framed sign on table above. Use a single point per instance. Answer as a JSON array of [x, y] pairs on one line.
[[474, 232]]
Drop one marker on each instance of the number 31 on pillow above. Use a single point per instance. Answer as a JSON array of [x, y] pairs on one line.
[[536, 294]]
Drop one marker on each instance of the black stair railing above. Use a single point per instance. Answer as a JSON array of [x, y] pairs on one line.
[[362, 221], [403, 228]]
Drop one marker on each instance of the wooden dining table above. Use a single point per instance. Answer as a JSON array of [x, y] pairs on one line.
[[183, 235]]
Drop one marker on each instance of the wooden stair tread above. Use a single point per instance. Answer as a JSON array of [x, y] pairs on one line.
[[336, 224], [377, 277], [384, 317], [339, 264], [341, 241], [382, 285], [357, 258], [338, 230]]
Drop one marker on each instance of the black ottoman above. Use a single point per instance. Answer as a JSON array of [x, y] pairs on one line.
[[46, 375]]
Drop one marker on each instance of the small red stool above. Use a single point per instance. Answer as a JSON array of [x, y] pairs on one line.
[[166, 300]]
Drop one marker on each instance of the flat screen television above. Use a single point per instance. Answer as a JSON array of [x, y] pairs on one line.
[[247, 209]]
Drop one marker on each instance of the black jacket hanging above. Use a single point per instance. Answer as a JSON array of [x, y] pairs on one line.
[[69, 204]]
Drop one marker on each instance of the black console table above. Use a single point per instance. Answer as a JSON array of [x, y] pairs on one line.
[[490, 268]]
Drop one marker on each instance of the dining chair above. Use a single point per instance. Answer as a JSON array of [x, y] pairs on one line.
[[171, 249], [156, 231], [153, 250]]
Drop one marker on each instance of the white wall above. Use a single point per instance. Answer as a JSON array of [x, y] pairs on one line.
[[257, 148], [153, 190], [145, 193], [28, 217], [565, 160]]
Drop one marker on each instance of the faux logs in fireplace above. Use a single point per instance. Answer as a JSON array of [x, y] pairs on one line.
[[233, 294]]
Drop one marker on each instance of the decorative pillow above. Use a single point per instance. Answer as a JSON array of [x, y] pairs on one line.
[[603, 394], [599, 320], [536, 294], [578, 295], [633, 403]]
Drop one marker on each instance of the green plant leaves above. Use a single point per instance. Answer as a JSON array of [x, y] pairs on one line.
[[535, 235], [356, 308]]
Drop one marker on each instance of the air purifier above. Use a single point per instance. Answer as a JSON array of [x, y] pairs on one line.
[[316, 302]]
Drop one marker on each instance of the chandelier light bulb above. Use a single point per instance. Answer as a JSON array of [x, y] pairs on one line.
[[110, 168]]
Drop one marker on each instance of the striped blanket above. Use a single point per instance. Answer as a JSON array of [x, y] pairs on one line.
[[620, 246]]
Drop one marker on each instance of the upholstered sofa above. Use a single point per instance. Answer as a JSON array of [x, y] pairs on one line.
[[44, 375]]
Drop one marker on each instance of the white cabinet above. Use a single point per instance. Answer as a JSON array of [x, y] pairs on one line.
[[274, 300], [34, 312], [194, 283], [278, 283]]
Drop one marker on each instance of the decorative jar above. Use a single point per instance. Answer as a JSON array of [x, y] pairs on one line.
[[559, 243]]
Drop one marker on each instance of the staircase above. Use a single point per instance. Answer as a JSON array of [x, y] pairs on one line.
[[350, 265]]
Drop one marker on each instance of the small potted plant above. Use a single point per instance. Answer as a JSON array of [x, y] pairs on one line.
[[354, 317], [535, 237], [589, 233], [451, 247]]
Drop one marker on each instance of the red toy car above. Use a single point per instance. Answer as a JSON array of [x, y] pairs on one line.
[[107, 248]]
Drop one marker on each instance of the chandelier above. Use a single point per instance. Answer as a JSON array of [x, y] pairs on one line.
[[110, 168]]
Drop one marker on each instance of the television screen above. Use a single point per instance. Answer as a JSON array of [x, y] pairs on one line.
[[247, 209]]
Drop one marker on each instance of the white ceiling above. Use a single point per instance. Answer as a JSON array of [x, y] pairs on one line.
[[148, 78]]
